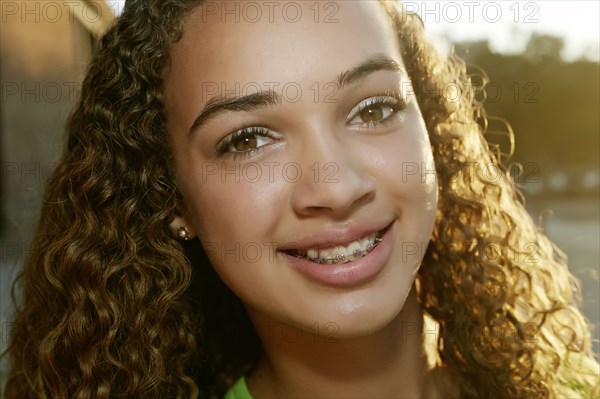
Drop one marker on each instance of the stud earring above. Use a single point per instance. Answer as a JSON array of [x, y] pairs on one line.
[[184, 233]]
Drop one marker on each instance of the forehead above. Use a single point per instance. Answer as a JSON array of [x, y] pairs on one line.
[[282, 41], [304, 44]]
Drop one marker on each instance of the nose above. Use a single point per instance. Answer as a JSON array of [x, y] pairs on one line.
[[334, 181]]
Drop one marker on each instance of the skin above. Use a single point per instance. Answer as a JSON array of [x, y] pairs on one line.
[[357, 341]]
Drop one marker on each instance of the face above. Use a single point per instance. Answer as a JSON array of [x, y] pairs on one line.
[[303, 160]]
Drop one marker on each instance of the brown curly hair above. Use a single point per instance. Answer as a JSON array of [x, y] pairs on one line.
[[106, 298]]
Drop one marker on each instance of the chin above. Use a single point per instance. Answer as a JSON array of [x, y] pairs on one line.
[[356, 319], [359, 330]]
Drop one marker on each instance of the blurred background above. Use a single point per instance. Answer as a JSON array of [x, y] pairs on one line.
[[541, 59], [542, 64]]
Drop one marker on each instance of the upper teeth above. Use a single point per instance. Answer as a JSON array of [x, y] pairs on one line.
[[343, 254]]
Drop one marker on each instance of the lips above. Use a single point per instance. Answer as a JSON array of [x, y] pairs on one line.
[[351, 273]]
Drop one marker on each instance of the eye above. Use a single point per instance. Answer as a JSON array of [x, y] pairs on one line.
[[245, 141], [375, 111]]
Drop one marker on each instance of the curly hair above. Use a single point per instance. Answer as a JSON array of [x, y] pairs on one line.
[[112, 306]]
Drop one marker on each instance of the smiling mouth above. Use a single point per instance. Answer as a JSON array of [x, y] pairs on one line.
[[341, 254]]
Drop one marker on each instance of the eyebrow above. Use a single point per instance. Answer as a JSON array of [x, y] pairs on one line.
[[269, 98], [379, 62]]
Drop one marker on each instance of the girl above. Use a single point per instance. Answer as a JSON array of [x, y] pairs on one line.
[[280, 202]]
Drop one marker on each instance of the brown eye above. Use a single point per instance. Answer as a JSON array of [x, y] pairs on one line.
[[245, 143], [373, 113]]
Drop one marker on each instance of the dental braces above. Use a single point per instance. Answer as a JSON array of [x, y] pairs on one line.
[[340, 258]]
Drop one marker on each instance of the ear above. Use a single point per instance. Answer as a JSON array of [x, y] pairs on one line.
[[181, 228]]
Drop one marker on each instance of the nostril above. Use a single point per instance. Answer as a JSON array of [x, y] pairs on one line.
[[367, 197]]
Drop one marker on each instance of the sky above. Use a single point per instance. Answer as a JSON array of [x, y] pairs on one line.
[[507, 24]]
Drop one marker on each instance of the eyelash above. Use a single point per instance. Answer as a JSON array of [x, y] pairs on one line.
[[392, 100]]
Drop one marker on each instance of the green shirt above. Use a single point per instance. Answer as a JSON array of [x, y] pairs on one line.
[[571, 389], [239, 390]]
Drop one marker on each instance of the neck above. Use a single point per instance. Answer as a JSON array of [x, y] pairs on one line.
[[388, 363]]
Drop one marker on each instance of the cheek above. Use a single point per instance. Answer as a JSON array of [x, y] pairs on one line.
[[408, 181], [415, 170], [230, 205], [234, 218], [406, 167]]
